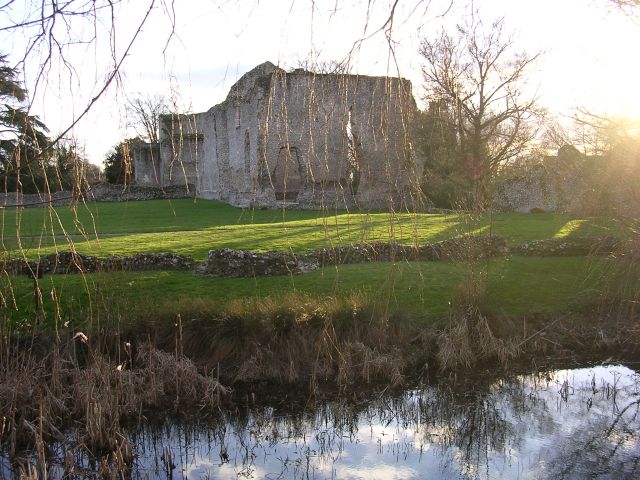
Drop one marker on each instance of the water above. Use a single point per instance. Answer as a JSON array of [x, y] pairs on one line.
[[580, 423]]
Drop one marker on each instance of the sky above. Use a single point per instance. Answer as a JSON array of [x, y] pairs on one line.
[[193, 51]]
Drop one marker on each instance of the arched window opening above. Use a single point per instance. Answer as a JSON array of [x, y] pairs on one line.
[[354, 156], [287, 179]]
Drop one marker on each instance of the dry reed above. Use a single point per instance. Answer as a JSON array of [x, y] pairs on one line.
[[42, 396]]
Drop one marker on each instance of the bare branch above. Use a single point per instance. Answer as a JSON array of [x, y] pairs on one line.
[[144, 115], [478, 72]]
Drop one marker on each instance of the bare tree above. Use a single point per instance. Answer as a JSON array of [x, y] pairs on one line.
[[627, 6], [143, 114], [52, 29], [480, 75]]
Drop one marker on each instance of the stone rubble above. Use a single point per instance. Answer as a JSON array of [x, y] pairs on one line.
[[73, 262], [233, 263], [569, 246], [225, 262]]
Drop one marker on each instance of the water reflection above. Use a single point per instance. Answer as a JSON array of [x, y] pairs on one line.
[[560, 424]]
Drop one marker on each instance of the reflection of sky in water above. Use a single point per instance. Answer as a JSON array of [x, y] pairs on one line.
[[562, 424]]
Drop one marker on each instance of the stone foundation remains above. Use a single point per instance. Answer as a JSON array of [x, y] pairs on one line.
[[73, 262], [225, 262], [237, 263], [232, 263]]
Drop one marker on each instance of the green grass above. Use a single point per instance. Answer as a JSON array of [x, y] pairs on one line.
[[510, 286], [194, 227], [424, 290]]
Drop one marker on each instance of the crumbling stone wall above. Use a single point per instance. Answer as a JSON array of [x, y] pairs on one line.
[[56, 199], [73, 262], [533, 189], [571, 246], [306, 139], [146, 163], [180, 150], [567, 182], [225, 262], [101, 192], [106, 192], [342, 139]]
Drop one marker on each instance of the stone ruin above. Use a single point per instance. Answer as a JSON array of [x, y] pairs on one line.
[[299, 138], [553, 183], [225, 262]]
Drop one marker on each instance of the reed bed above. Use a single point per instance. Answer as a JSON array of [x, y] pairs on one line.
[[77, 391]]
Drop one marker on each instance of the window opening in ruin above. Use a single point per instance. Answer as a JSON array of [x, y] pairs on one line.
[[237, 116], [189, 146], [354, 155], [247, 153], [287, 179]]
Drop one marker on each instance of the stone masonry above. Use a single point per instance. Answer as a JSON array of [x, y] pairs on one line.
[[308, 140]]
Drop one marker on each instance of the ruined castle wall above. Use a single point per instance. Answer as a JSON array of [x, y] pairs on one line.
[[229, 169], [308, 117], [146, 164], [309, 140], [222, 148], [207, 162], [241, 124], [244, 105], [222, 174], [181, 147], [312, 117]]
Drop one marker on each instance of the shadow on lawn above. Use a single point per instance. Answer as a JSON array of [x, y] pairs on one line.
[[294, 236]]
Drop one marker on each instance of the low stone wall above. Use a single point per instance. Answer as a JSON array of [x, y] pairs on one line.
[[102, 192], [571, 246], [232, 263], [463, 247], [106, 192], [225, 262], [69, 262], [56, 199]]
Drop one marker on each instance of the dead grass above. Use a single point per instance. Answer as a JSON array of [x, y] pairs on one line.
[[41, 394], [472, 336], [622, 290], [298, 338], [471, 339]]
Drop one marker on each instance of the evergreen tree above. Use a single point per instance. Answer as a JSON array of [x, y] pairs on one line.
[[118, 166], [23, 137]]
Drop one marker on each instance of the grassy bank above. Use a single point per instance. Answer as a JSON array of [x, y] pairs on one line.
[[194, 227], [423, 290], [428, 294]]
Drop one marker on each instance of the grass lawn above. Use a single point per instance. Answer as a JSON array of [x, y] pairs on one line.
[[194, 227], [508, 286], [512, 286]]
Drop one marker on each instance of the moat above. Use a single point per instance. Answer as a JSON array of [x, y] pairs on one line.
[[570, 423]]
